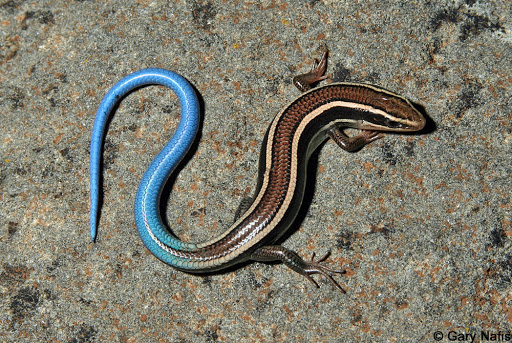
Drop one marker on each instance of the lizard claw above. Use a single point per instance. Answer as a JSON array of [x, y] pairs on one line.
[[315, 267]]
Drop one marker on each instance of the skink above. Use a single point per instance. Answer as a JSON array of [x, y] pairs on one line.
[[293, 135]]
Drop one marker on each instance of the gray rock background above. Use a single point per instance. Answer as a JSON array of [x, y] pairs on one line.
[[421, 222]]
